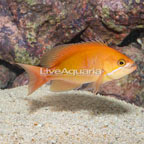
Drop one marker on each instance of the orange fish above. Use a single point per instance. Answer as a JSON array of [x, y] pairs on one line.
[[71, 65]]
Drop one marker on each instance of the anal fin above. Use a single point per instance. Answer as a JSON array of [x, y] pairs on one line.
[[60, 85]]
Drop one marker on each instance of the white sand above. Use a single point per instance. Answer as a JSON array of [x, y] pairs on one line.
[[73, 117]]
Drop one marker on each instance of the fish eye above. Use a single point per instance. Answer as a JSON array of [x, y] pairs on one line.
[[121, 62]]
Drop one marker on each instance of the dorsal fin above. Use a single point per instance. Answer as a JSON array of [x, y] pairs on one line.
[[57, 54]]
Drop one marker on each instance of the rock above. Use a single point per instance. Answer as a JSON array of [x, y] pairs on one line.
[[115, 20], [20, 80], [29, 27], [6, 77]]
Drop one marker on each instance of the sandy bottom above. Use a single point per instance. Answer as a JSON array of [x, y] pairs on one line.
[[74, 117]]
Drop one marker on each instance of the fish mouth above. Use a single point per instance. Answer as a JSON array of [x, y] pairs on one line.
[[133, 66]]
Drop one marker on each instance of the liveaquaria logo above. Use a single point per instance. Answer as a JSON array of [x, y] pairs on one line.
[[73, 72]]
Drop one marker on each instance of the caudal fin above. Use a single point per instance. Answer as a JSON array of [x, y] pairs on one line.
[[36, 80]]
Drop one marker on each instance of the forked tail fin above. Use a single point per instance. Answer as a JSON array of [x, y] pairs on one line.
[[36, 80]]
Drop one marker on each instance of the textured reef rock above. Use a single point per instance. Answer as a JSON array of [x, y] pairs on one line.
[[6, 77], [29, 27], [20, 80], [115, 19]]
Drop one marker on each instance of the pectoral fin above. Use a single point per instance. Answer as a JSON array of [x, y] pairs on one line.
[[60, 85], [98, 83], [95, 85]]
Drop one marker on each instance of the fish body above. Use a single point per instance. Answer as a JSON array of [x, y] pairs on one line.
[[72, 65]]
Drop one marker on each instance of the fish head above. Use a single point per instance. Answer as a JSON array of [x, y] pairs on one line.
[[118, 66]]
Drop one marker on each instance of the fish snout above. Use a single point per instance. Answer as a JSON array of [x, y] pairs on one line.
[[133, 66]]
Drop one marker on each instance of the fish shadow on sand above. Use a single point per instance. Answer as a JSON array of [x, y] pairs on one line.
[[76, 102]]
